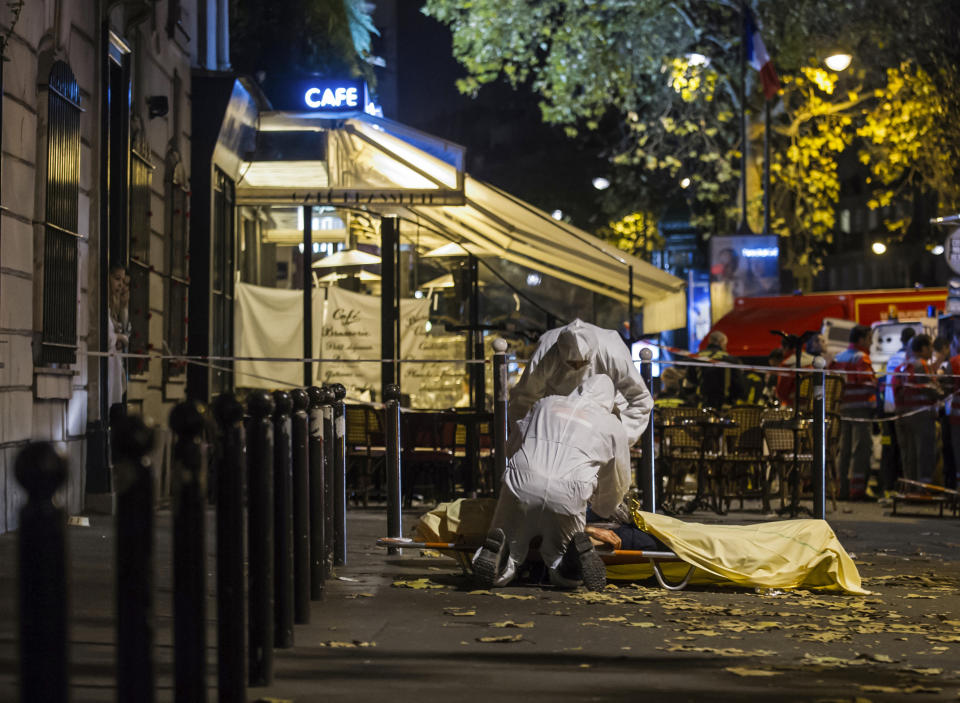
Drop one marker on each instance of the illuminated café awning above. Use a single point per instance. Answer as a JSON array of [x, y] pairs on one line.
[[379, 165]]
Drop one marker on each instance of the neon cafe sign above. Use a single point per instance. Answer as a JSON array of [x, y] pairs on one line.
[[337, 97]]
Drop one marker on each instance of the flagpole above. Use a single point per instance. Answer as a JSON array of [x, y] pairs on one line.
[[766, 166], [744, 146]]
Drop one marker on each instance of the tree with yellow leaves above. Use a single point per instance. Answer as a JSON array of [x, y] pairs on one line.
[[660, 79]]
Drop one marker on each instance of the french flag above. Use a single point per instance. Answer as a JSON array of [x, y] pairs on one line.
[[758, 57]]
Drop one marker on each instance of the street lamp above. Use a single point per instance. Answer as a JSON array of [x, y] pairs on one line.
[[838, 61], [879, 248], [601, 183]]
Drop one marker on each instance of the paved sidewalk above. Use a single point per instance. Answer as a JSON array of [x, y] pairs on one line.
[[370, 640]]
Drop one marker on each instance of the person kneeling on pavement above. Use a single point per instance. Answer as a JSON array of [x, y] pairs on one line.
[[567, 451]]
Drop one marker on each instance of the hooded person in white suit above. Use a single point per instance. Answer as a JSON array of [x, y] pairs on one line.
[[567, 355], [567, 451]]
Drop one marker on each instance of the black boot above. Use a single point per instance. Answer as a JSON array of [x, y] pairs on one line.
[[487, 564], [582, 561]]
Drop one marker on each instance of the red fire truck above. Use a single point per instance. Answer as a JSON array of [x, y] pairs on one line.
[[748, 325]]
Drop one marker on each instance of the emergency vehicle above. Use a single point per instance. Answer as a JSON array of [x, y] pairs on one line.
[[748, 326]]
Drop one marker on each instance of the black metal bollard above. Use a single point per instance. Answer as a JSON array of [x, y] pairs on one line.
[[501, 395], [231, 611], [819, 478], [391, 428], [299, 440], [647, 477], [318, 507], [134, 534], [282, 522], [189, 555], [43, 577], [339, 475], [260, 537], [329, 463]]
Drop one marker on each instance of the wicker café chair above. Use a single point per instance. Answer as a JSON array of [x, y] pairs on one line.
[[743, 469], [680, 449], [789, 444]]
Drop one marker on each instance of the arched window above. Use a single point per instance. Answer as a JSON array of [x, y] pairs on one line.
[[141, 174], [178, 282], [58, 338]]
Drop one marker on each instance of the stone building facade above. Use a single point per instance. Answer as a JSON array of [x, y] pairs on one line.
[[96, 116]]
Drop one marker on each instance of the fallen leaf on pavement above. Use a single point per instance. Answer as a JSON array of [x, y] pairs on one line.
[[614, 618], [943, 638], [932, 671], [511, 596], [885, 658], [822, 636], [480, 593], [830, 662], [501, 638], [418, 584], [879, 689], [744, 671], [458, 612], [640, 624], [723, 652], [511, 623], [333, 644], [918, 595]]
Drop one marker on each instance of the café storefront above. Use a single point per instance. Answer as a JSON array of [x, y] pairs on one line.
[[334, 235]]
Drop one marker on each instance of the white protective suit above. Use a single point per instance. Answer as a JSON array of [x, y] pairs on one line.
[[548, 373], [567, 451]]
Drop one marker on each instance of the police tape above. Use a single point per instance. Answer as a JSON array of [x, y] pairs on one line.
[[208, 362]]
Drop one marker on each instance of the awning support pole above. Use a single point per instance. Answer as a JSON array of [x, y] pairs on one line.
[[389, 312], [307, 262], [630, 334]]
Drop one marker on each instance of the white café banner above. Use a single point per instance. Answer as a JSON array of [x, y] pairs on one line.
[[346, 331], [439, 384], [268, 323]]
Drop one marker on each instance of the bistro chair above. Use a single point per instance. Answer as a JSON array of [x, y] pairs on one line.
[[365, 451], [788, 441], [743, 468], [680, 449], [428, 453]]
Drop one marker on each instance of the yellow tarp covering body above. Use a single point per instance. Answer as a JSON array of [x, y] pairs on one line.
[[781, 554]]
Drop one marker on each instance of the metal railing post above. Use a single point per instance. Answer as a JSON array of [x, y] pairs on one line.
[[819, 478], [391, 428], [282, 522], [647, 478], [299, 440], [329, 463], [134, 534], [189, 554], [231, 593], [260, 538], [340, 475], [500, 399], [317, 500], [43, 576]]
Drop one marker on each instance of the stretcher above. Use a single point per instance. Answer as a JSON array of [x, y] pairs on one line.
[[918, 493], [610, 557]]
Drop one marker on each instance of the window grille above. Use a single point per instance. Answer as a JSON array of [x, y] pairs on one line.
[[177, 282], [141, 175], [58, 340], [224, 248]]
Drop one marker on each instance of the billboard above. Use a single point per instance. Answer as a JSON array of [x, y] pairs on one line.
[[698, 308], [746, 265]]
